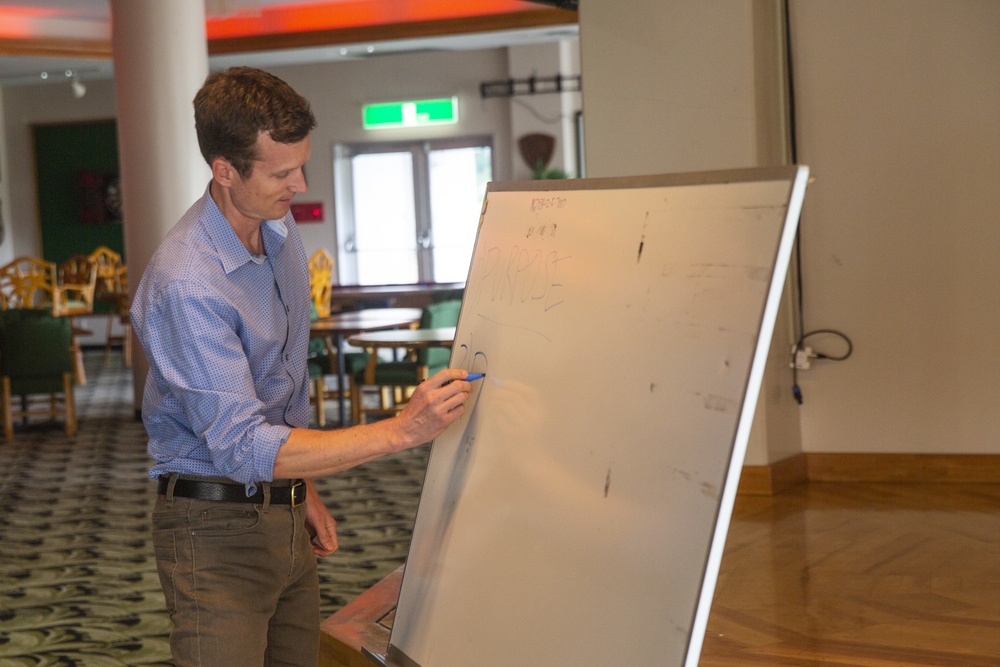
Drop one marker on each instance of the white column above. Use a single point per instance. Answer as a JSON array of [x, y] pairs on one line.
[[161, 60]]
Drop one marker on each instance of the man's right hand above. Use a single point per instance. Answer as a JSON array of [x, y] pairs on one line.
[[435, 404]]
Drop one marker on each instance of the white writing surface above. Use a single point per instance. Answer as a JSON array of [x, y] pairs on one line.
[[576, 514]]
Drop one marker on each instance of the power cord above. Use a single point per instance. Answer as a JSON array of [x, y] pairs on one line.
[[796, 390], [794, 155]]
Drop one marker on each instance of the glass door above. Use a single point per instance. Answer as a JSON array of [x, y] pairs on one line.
[[385, 240], [458, 178], [408, 213]]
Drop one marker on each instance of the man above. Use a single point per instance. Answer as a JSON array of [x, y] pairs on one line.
[[222, 313]]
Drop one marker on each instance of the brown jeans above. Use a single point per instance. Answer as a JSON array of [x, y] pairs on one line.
[[240, 583]]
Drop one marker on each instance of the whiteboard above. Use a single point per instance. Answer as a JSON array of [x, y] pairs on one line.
[[577, 513]]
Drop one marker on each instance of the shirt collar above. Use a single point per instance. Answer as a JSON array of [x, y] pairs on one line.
[[278, 227], [230, 248]]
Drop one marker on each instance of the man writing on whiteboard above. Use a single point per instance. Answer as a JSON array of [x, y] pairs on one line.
[[222, 313]]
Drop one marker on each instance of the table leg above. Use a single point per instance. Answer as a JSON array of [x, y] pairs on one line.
[[79, 372], [341, 379]]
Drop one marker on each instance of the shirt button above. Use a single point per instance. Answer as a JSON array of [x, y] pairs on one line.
[[286, 357]]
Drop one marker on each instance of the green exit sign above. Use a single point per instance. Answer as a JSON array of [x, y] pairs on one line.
[[415, 113]]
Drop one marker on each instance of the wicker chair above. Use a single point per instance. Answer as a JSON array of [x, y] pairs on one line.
[[321, 281], [29, 282], [77, 284], [112, 291]]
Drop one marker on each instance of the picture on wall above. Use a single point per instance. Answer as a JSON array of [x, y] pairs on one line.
[[100, 198]]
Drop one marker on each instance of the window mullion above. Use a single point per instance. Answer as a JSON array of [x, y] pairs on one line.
[[422, 207]]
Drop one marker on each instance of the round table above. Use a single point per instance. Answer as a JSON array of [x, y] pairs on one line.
[[335, 327], [406, 338]]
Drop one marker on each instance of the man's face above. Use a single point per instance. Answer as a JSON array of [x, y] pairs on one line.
[[277, 176]]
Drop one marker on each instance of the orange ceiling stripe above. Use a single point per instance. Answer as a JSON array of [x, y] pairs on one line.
[[16, 11], [23, 22], [355, 13]]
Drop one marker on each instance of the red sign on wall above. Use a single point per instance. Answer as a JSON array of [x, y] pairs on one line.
[[308, 212]]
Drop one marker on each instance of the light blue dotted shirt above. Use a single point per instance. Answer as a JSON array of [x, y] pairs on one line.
[[226, 335]]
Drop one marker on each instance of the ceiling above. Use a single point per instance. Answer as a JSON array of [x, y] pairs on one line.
[[50, 41]]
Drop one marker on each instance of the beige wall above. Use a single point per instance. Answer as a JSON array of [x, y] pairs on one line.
[[667, 86], [898, 108], [687, 86], [551, 114], [898, 116]]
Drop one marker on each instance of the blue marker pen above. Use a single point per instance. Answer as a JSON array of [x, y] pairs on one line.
[[471, 377]]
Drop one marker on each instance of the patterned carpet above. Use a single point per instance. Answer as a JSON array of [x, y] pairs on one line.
[[78, 584]]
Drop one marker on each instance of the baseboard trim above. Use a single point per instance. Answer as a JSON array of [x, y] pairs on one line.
[[921, 468], [837, 467], [774, 478]]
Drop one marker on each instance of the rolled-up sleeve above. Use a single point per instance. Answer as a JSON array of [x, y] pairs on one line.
[[204, 384]]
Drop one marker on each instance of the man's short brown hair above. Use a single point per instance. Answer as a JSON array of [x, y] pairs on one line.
[[233, 107]]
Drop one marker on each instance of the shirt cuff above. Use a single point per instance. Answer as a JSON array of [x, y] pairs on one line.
[[267, 439]]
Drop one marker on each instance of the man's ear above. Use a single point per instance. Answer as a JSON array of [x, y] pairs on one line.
[[223, 172]]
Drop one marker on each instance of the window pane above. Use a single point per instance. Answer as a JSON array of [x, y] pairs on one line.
[[458, 179], [384, 218]]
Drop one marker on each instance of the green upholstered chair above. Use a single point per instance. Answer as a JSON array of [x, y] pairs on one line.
[[36, 367], [400, 377], [322, 363]]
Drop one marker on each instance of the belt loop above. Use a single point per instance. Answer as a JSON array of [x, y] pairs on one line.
[[267, 495], [171, 483]]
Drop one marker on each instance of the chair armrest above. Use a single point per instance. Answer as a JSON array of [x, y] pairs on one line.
[[82, 294]]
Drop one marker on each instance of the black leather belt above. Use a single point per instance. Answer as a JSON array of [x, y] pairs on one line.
[[294, 494]]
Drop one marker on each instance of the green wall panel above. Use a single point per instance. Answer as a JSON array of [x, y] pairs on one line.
[[62, 153]]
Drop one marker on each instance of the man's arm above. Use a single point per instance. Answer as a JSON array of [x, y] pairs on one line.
[[435, 404]]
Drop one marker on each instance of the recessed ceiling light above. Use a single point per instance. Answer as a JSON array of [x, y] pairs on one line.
[[45, 75], [343, 52], [371, 49]]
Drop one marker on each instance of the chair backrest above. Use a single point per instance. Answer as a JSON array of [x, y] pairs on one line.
[[29, 282], [78, 270], [35, 350], [108, 262], [77, 284], [440, 314], [321, 281]]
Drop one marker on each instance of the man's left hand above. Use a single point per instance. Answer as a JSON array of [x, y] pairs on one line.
[[320, 523]]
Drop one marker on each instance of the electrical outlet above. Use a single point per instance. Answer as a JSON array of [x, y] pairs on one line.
[[802, 358]]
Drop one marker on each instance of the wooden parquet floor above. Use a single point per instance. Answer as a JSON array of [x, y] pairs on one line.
[[861, 575]]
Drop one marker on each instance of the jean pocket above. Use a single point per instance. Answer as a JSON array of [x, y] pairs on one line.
[[222, 520]]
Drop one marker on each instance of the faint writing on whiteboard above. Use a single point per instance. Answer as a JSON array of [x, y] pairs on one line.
[[521, 276], [542, 231], [542, 203]]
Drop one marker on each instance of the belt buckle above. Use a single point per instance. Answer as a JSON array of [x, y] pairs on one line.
[[298, 493]]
